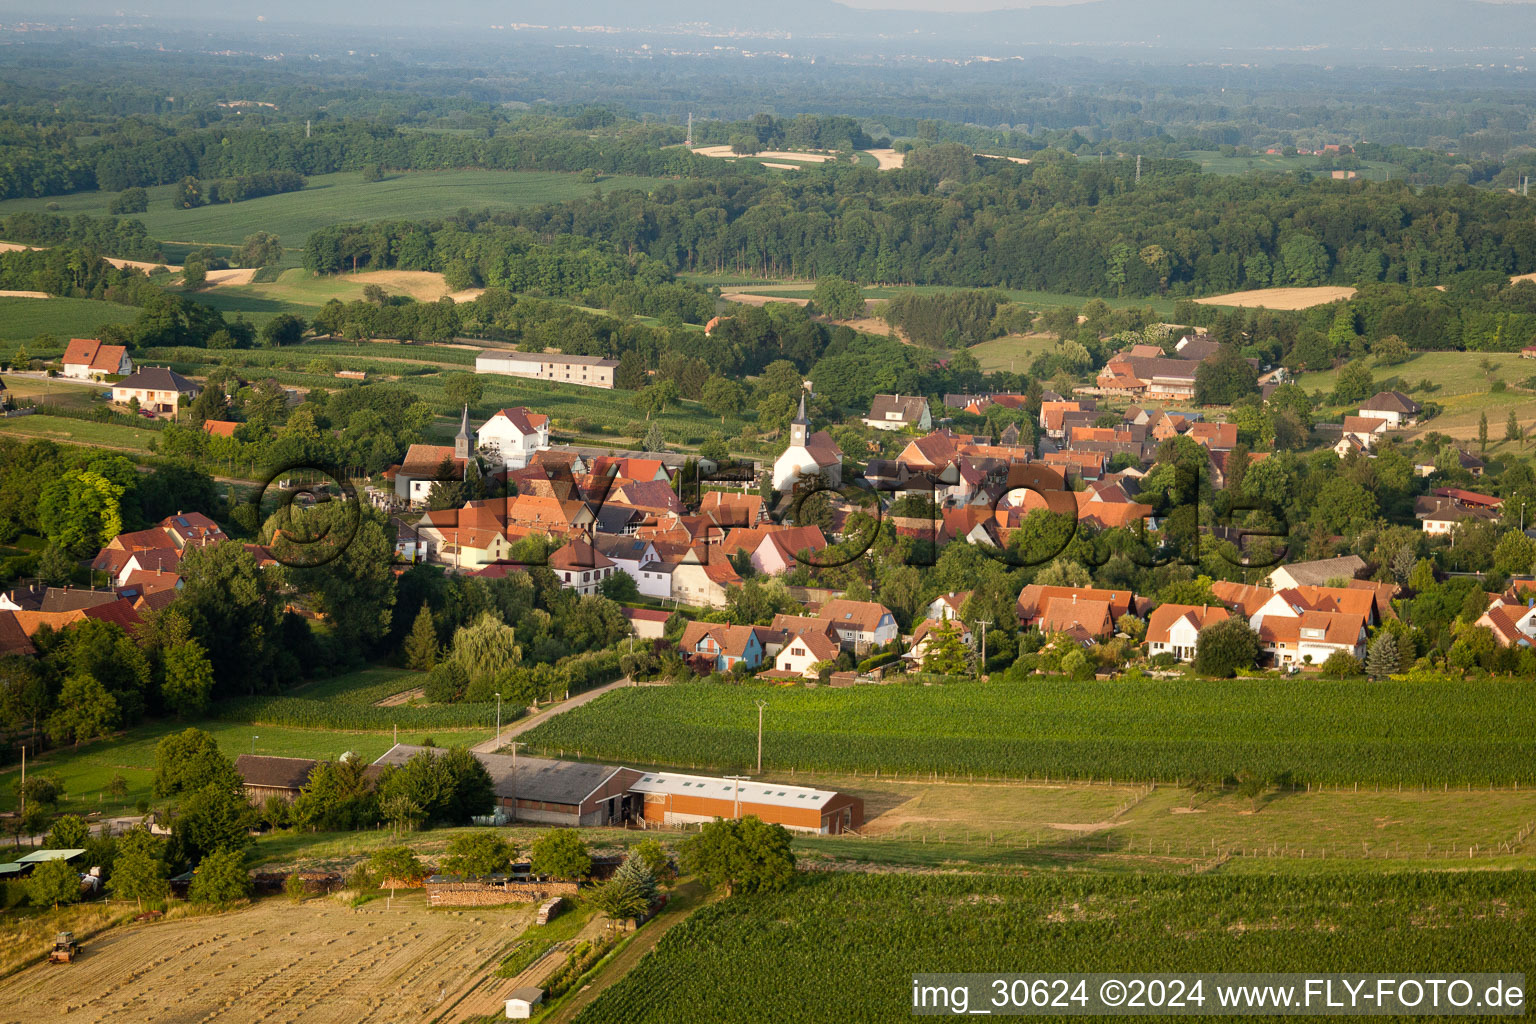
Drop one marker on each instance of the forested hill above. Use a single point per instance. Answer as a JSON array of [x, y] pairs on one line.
[[1061, 224]]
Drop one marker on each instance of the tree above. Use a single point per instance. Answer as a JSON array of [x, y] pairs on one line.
[[220, 879], [655, 439], [395, 866], [837, 298], [1226, 648], [295, 888], [81, 510], [748, 855], [189, 194], [945, 652], [1382, 658], [1225, 377], [129, 200], [1512, 428], [1482, 432], [629, 894], [478, 854], [261, 249], [55, 566], [338, 796], [421, 646], [210, 820], [68, 833], [463, 389], [85, 711], [55, 882], [561, 854], [138, 876], [1391, 350], [1341, 665], [283, 329], [654, 856], [1250, 786], [194, 274], [189, 760], [1355, 383], [724, 397], [188, 679]]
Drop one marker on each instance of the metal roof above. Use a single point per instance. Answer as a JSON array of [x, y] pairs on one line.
[[9, 869], [536, 778], [38, 856], [727, 789]]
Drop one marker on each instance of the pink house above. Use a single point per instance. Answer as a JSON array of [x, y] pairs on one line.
[[776, 552]]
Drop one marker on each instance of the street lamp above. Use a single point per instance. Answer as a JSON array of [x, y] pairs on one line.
[[254, 738]]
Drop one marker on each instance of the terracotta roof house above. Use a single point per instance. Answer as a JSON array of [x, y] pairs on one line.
[[732, 508], [859, 625], [192, 529], [947, 606], [580, 567], [1214, 436], [720, 647], [1175, 628], [1311, 637], [779, 550], [266, 777], [1036, 599], [923, 634], [13, 638], [652, 496], [220, 428], [702, 577], [898, 412], [87, 358], [1512, 625], [799, 653]]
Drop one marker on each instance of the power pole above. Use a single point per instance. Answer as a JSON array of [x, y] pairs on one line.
[[737, 779], [23, 816], [982, 668], [760, 706]]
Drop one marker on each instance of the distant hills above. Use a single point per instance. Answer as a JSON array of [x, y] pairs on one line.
[[1337, 26]]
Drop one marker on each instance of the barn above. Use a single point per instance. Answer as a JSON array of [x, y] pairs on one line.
[[675, 799], [273, 776], [546, 791]]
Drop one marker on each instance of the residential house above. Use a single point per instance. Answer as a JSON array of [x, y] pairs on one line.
[[655, 579], [158, 390], [627, 553], [465, 538], [580, 567], [1367, 429], [647, 623], [702, 578], [1512, 625], [808, 454], [947, 606], [426, 464], [1316, 573], [923, 634], [718, 647], [89, 359], [1216, 437], [1311, 637], [779, 551], [1083, 619], [731, 508], [509, 438], [860, 626], [192, 530], [220, 428], [1393, 408], [1175, 628], [1441, 515], [1038, 601], [899, 412], [803, 651]]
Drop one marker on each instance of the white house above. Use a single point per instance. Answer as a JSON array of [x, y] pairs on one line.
[[87, 358], [1175, 628], [580, 567], [896, 412], [947, 606], [510, 437], [628, 553], [807, 455], [803, 651], [655, 579], [1393, 407]]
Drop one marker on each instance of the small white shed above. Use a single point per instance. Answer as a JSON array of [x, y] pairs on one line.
[[521, 1002]]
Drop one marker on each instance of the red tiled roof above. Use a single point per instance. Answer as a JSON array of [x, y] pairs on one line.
[[13, 638], [220, 428], [93, 354], [866, 615], [1164, 616], [579, 555]]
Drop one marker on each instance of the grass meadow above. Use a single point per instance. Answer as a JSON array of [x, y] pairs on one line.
[[337, 198], [72, 431]]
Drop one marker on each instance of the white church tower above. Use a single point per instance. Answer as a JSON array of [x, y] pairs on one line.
[[807, 455]]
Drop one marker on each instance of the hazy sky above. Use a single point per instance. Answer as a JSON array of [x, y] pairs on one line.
[[954, 5]]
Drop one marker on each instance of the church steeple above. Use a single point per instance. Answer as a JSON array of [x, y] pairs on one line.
[[799, 426], [461, 443]]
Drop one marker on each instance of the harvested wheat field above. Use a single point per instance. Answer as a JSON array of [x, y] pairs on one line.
[[725, 151], [888, 159], [236, 275], [1282, 298], [1522, 277], [748, 299], [319, 963]]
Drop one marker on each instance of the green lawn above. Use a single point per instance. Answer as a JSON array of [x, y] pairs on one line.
[[73, 431], [1013, 353], [1036, 300], [1212, 162], [86, 772], [337, 198], [23, 319], [55, 391]]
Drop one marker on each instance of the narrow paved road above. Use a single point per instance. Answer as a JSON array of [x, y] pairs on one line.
[[522, 725]]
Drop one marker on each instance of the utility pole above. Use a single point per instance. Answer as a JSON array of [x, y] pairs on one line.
[[737, 779], [23, 788], [982, 668], [760, 706], [254, 738]]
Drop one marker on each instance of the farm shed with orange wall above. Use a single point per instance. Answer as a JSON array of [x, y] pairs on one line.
[[674, 799]]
